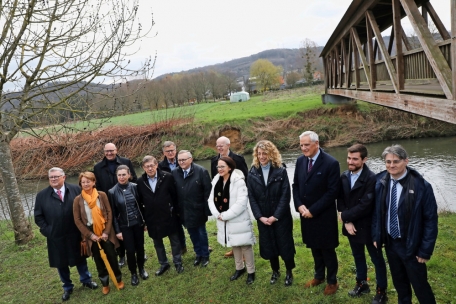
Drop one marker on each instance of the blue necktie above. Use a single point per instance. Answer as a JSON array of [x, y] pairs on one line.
[[185, 174], [310, 165], [394, 227]]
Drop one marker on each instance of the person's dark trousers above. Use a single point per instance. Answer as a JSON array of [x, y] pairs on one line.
[[275, 266], [111, 254], [134, 245], [175, 249], [376, 258], [325, 258], [121, 249], [181, 233], [84, 275], [198, 235], [405, 271]]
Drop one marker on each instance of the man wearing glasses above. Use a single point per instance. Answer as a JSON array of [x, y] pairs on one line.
[[168, 164], [405, 222], [193, 186], [54, 215], [105, 173]]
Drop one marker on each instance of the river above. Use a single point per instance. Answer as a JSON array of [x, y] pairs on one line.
[[434, 158]]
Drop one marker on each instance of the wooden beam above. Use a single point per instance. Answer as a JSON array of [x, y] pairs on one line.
[[453, 44], [381, 43], [333, 63], [400, 68], [424, 14], [408, 46], [339, 66], [344, 62], [377, 54], [436, 59], [348, 67], [437, 108], [390, 43], [370, 53], [325, 68], [356, 58], [362, 56], [437, 21]]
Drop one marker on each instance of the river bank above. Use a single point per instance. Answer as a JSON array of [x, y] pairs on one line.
[[279, 118]]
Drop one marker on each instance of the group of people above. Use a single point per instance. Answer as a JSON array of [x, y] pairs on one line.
[[395, 209]]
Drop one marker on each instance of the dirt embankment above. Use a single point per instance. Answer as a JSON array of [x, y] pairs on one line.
[[339, 126]]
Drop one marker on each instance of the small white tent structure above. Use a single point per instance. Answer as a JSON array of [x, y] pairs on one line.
[[239, 96]]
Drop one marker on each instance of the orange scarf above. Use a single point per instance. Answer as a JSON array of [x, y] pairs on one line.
[[97, 217]]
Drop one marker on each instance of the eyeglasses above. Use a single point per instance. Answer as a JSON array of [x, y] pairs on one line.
[[221, 167], [170, 151], [395, 161], [221, 146], [55, 177], [109, 151], [183, 160], [150, 166]]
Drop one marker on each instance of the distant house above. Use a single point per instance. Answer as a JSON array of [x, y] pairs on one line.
[[239, 96], [317, 76]]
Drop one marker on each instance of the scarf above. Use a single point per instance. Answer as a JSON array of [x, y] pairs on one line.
[[97, 217], [222, 195]]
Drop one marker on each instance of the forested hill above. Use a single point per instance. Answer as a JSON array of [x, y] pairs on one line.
[[289, 59]]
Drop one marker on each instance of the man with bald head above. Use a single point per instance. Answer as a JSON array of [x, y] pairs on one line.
[[105, 173]]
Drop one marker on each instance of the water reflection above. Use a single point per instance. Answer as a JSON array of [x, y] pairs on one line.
[[434, 158]]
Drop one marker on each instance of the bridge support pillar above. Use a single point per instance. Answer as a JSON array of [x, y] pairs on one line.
[[336, 99]]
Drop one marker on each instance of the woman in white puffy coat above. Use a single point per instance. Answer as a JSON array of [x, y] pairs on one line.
[[228, 203]]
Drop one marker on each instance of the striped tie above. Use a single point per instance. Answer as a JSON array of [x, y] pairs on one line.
[[394, 227], [310, 165]]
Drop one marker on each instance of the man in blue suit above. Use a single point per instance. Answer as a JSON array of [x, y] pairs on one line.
[[315, 189]]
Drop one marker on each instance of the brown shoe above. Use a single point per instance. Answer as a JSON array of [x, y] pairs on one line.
[[313, 282], [105, 290], [229, 254], [121, 285], [330, 289]]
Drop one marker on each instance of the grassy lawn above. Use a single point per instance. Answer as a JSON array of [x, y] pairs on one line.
[[25, 276]]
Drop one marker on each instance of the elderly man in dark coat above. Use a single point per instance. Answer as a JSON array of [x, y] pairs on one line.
[[315, 189], [193, 186], [54, 215], [157, 194]]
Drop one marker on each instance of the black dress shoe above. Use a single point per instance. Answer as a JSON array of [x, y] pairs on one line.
[[275, 276], [162, 270], [237, 274], [121, 262], [250, 278], [288, 280], [134, 279], [66, 294], [179, 268], [91, 285], [197, 261], [143, 273], [204, 261]]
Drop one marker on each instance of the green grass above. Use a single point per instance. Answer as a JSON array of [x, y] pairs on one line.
[[25, 276]]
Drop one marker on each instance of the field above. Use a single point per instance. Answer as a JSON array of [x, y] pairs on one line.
[[25, 276]]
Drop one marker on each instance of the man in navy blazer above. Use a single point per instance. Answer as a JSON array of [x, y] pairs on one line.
[[315, 189]]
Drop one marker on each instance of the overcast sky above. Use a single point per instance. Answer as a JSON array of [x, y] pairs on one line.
[[202, 32]]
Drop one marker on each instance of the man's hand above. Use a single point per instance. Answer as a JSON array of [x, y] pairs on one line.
[[421, 260], [350, 228], [264, 220]]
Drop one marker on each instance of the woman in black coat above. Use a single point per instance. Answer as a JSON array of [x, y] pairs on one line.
[[269, 195], [128, 221]]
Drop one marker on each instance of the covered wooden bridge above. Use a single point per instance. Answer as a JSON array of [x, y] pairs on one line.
[[415, 74]]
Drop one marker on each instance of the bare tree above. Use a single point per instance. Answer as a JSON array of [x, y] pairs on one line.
[[308, 51], [50, 53], [229, 81], [292, 78]]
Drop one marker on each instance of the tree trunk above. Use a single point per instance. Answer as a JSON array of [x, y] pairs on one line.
[[22, 230]]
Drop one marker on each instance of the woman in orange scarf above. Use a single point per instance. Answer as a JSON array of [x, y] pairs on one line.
[[93, 217]]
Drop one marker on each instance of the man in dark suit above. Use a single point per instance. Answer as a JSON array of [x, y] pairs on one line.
[[405, 221], [168, 164], [223, 147], [315, 188], [356, 203], [54, 215], [157, 194], [105, 173]]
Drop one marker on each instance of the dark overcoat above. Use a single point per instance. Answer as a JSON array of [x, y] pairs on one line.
[[105, 179], [317, 190], [238, 159], [164, 166], [357, 204], [56, 222], [272, 199], [160, 207], [192, 195]]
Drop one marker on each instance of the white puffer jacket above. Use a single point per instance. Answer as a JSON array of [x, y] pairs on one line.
[[236, 220]]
